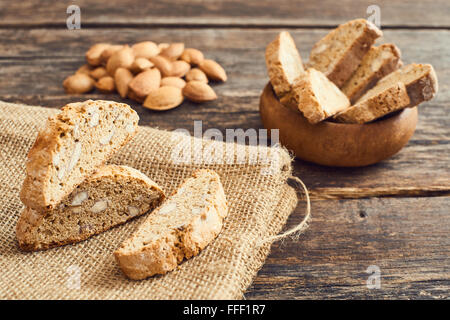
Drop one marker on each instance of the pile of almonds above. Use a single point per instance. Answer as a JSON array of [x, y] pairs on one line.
[[158, 75]]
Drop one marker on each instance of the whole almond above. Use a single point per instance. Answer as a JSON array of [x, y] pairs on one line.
[[196, 74], [192, 56], [173, 51], [121, 58], [213, 70], [98, 73], [85, 68], [173, 82], [199, 91], [78, 83], [164, 98], [163, 65], [122, 78], [105, 84], [93, 55], [179, 68], [141, 64], [145, 49], [108, 52], [163, 45], [144, 83]]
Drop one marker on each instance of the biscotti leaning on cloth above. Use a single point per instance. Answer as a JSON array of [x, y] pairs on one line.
[[179, 229], [71, 147], [70, 195], [342, 69], [110, 197]]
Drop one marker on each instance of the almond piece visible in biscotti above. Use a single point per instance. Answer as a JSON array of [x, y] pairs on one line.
[[112, 196], [69, 149], [340, 52], [179, 229], [377, 63], [284, 64], [315, 96]]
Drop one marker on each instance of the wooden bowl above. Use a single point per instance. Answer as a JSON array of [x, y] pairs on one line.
[[337, 144]]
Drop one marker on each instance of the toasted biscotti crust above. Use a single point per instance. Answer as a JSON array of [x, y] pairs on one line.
[[30, 219], [306, 93], [284, 63], [392, 99], [420, 80], [377, 63], [140, 258], [53, 168], [339, 68]]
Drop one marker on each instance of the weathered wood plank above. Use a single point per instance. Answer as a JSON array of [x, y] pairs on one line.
[[34, 63], [225, 13], [407, 238]]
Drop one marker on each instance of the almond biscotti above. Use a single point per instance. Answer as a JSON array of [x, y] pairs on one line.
[[112, 196], [284, 63], [179, 229], [420, 81], [406, 87], [379, 101], [340, 52], [71, 146], [315, 96], [377, 63]]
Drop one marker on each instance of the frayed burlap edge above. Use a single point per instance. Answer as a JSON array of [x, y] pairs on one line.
[[259, 207]]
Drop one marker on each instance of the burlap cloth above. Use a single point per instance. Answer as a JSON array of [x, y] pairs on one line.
[[260, 202]]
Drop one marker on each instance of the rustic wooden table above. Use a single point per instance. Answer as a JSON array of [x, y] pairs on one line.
[[394, 215]]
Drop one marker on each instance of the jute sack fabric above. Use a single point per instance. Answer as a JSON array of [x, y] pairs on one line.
[[259, 198]]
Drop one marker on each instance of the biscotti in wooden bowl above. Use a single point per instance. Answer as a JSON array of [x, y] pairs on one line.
[[337, 144], [349, 90]]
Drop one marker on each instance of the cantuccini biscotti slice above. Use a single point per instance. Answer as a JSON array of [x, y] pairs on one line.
[[340, 52], [377, 102], [376, 64], [112, 196], [315, 96], [284, 63], [420, 81], [71, 146], [406, 87], [179, 229]]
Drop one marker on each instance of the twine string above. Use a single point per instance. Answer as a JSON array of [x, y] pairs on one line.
[[298, 229]]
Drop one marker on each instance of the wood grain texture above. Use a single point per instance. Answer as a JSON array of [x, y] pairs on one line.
[[176, 13], [407, 238], [34, 63]]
